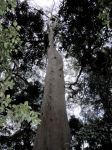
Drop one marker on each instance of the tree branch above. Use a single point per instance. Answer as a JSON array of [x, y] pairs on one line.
[[70, 84]]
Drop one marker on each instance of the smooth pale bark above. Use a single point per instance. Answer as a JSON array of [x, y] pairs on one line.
[[53, 133]]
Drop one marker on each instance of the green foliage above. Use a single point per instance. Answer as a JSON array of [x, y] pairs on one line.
[[15, 113], [7, 35], [9, 39], [23, 112], [2, 7], [104, 16], [4, 4], [5, 100]]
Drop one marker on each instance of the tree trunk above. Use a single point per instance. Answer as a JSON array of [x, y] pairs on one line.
[[53, 133]]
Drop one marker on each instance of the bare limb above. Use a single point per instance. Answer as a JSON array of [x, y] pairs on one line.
[[80, 72], [22, 78], [79, 75]]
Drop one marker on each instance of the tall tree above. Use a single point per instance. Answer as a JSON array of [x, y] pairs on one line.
[[54, 125]]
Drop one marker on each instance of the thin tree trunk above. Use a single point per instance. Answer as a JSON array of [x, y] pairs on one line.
[[53, 133]]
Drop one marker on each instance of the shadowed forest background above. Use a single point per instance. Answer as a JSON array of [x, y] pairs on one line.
[[85, 35]]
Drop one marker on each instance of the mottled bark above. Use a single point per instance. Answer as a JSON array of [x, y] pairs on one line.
[[53, 133]]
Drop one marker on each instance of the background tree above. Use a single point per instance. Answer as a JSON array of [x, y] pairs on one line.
[[86, 35]]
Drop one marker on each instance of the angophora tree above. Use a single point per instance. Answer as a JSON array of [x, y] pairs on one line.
[[54, 125]]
